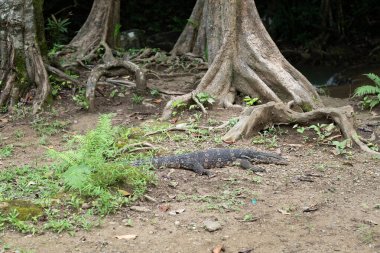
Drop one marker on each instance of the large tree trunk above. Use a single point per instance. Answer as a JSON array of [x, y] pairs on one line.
[[243, 58], [99, 29], [21, 63]]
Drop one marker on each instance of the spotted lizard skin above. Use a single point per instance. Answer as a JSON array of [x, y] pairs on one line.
[[212, 158]]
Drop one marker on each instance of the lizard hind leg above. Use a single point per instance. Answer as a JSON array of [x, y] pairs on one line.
[[247, 165], [196, 167]]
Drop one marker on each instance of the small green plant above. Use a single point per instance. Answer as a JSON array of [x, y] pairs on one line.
[[57, 84], [323, 130], [248, 218], [3, 109], [136, 99], [371, 93], [373, 146], [268, 137], [48, 127], [366, 234], [19, 134], [340, 146], [55, 49], [197, 116], [205, 98], [257, 179], [57, 29], [154, 92], [81, 100], [251, 101], [6, 151], [59, 226], [232, 122], [178, 105], [299, 129]]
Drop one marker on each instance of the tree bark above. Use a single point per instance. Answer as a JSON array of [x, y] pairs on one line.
[[98, 29], [243, 58], [21, 65]]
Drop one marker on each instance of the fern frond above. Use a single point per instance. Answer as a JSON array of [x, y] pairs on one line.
[[374, 103], [77, 177], [366, 90], [375, 78]]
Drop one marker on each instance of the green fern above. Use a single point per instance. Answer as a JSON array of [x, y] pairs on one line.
[[371, 93], [93, 170]]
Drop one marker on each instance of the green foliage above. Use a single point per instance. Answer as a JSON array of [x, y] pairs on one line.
[[340, 146], [137, 99], [323, 130], [6, 151], [154, 92], [57, 84], [205, 98], [48, 126], [92, 169], [251, 101], [178, 104], [55, 49], [371, 93], [300, 129], [18, 224], [232, 122], [57, 29], [81, 100]]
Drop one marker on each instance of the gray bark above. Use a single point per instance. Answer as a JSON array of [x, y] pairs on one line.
[[21, 66]]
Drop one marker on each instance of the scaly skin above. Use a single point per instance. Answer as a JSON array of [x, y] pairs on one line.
[[211, 158]]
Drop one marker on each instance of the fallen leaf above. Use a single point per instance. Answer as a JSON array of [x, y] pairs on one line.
[[124, 193], [157, 101], [218, 249], [126, 237], [164, 208]]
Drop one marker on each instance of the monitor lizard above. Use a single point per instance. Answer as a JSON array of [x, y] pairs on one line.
[[200, 161]]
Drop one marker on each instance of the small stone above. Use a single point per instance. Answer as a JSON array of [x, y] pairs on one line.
[[140, 209], [86, 206], [176, 223], [173, 184], [211, 225]]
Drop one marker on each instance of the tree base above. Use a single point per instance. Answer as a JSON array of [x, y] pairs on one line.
[[259, 117]]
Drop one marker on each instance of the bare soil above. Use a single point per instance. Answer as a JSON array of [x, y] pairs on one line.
[[320, 202]]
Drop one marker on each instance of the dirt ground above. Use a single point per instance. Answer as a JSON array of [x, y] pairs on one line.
[[320, 202]]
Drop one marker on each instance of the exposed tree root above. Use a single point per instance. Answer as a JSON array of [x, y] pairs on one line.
[[259, 117], [8, 74], [38, 74], [63, 75], [107, 69], [243, 58]]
